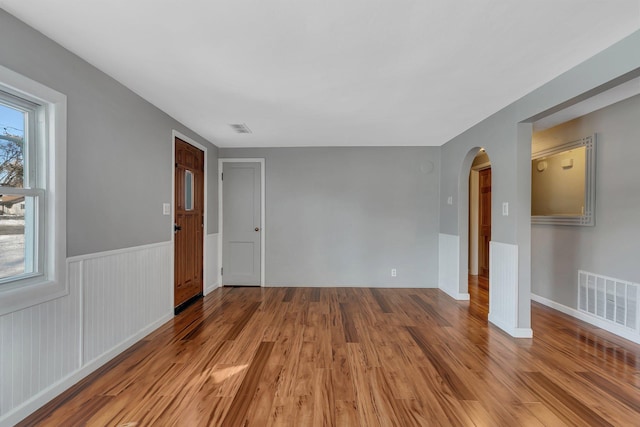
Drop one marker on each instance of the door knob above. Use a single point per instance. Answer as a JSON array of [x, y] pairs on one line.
[[257, 229], [176, 228]]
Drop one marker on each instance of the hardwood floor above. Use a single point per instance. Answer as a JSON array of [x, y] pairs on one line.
[[357, 357]]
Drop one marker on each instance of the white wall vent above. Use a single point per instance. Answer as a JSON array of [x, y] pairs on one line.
[[240, 128], [612, 300]]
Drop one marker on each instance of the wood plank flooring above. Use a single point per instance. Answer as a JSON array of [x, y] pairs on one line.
[[357, 357]]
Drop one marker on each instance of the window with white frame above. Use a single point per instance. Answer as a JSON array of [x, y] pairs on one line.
[[21, 184], [32, 192]]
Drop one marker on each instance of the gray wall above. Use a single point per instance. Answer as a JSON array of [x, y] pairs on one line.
[[118, 148], [346, 216], [507, 137], [611, 247]]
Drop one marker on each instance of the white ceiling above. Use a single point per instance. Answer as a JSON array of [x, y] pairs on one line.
[[331, 72]]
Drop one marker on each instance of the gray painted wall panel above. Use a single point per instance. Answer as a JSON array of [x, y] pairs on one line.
[[118, 148], [346, 216], [611, 247]]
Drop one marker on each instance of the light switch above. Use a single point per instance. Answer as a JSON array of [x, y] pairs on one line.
[[505, 209], [450, 200], [166, 209]]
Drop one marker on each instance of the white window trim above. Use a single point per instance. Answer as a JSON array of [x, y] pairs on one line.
[[53, 283]]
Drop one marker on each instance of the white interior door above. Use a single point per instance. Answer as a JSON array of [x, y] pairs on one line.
[[241, 223]]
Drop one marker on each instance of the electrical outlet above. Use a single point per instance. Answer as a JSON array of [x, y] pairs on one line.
[[393, 272]]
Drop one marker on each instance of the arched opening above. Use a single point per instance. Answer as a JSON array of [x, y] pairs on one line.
[[479, 232]]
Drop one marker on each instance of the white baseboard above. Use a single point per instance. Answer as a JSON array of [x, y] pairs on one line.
[[211, 288], [585, 317], [343, 285], [457, 296], [45, 396], [514, 332]]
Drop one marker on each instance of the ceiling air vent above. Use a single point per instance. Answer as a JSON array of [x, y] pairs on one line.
[[240, 128]]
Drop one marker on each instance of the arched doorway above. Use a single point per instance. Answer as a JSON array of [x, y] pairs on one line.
[[508, 295], [479, 226]]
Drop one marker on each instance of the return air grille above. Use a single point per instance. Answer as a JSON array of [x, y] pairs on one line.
[[612, 300]]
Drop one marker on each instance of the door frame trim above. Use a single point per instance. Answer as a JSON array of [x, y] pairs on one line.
[[473, 236], [262, 212], [175, 134]]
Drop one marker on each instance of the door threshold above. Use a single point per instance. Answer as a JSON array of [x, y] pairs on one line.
[[241, 286], [180, 308]]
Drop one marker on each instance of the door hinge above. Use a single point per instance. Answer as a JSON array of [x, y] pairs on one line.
[[221, 271], [222, 176], [176, 165]]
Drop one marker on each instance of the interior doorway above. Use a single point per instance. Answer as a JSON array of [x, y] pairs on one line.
[[479, 227], [241, 219], [484, 221]]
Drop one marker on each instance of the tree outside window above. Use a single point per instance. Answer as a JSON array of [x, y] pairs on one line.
[[12, 206]]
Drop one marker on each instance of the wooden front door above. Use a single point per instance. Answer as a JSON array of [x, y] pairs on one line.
[[484, 221], [189, 222]]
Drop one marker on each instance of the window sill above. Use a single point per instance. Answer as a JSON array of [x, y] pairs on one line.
[[21, 297]]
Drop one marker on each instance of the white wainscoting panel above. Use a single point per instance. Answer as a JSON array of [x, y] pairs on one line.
[[115, 298], [448, 265], [38, 347], [123, 292], [503, 293], [211, 263]]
